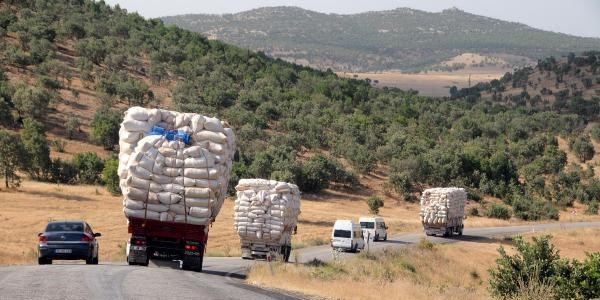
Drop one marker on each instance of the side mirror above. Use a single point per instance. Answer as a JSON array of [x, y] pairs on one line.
[[97, 234]]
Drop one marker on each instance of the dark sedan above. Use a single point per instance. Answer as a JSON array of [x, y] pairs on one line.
[[70, 240]]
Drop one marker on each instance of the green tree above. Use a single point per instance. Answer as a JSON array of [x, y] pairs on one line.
[[31, 101], [89, 167], [583, 147], [110, 176], [374, 203], [72, 127], [12, 158], [105, 127], [91, 48], [537, 260], [36, 146]]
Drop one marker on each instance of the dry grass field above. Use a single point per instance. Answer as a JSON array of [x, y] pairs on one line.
[[438, 83], [26, 210], [418, 272]]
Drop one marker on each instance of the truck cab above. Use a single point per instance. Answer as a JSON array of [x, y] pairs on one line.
[[347, 235], [374, 227]]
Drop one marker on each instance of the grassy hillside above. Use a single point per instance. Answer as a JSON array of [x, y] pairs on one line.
[[403, 38], [84, 60]]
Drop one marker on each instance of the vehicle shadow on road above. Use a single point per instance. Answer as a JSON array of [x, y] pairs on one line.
[[224, 274], [175, 264], [483, 239]]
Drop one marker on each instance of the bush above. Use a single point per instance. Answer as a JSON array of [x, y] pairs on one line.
[[89, 167], [63, 171], [319, 171], [473, 211], [110, 176], [374, 203], [498, 211], [592, 208], [538, 264], [529, 209], [31, 101], [105, 128], [58, 145], [36, 145], [533, 260], [583, 147], [72, 127], [595, 132]]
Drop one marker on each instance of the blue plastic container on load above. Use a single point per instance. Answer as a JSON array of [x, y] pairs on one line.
[[171, 135]]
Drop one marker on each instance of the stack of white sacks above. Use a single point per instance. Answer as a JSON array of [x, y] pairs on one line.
[[266, 211], [438, 205], [166, 179]]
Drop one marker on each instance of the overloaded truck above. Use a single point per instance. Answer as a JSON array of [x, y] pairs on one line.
[[265, 216], [443, 211], [174, 170]]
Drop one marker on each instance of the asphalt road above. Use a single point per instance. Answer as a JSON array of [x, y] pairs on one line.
[[221, 278]]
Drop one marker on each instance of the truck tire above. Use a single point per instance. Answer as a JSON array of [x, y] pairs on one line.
[[385, 238], [192, 263]]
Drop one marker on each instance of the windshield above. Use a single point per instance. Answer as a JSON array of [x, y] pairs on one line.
[[367, 225], [67, 226], [342, 233]]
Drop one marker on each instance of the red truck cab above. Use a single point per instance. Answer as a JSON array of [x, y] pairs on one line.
[[166, 240]]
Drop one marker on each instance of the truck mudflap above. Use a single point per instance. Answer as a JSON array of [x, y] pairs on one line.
[[137, 251]]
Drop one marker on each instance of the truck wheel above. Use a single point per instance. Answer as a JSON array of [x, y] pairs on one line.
[[385, 238], [288, 251], [192, 263], [131, 263], [446, 233]]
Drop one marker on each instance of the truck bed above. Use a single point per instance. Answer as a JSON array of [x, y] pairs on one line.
[[173, 230]]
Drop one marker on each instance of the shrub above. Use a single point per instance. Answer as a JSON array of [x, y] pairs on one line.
[[105, 128], [110, 176], [498, 211], [583, 147], [374, 203], [31, 101], [533, 260], [72, 127], [89, 167], [595, 132], [58, 145], [425, 244], [63, 171], [592, 208], [529, 209], [473, 211]]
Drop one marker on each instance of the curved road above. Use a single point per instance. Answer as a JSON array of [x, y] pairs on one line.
[[222, 278]]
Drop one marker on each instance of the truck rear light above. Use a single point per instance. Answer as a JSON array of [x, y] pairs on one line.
[[188, 247], [86, 238], [140, 242], [42, 239]]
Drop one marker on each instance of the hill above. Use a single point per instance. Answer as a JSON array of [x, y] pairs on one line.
[[76, 65], [403, 38]]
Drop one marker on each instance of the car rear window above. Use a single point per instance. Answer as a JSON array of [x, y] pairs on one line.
[[68, 226], [342, 233], [367, 225]]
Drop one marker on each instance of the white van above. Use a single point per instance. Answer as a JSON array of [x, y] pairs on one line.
[[374, 228], [347, 235]]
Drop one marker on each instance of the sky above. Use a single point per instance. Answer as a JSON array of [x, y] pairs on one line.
[[576, 17]]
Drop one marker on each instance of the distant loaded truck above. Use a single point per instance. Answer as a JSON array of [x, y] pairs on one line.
[[443, 211], [174, 169], [265, 216]]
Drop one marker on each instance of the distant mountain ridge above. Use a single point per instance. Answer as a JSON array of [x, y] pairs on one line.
[[402, 38]]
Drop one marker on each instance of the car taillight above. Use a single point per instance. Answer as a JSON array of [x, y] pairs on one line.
[[140, 242], [43, 239], [86, 238]]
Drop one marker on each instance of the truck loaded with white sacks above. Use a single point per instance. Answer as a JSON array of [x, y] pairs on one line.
[[443, 211], [174, 170], [265, 216]]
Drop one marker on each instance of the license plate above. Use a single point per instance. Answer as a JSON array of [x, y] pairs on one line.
[[138, 248], [62, 251]]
